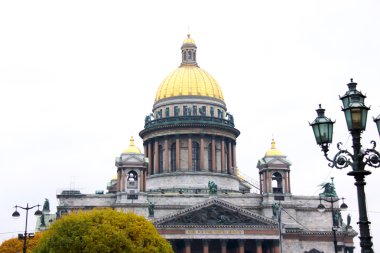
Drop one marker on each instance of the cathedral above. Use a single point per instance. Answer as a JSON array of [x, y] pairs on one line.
[[185, 179]]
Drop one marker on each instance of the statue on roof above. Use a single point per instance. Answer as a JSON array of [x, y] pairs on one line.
[[46, 206], [328, 189], [212, 187], [151, 209], [275, 210]]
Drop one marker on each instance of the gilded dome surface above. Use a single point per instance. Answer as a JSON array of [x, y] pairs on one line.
[[273, 151], [189, 81], [132, 149], [189, 40]]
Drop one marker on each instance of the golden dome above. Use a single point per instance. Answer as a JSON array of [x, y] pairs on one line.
[[189, 40], [273, 151], [132, 149], [189, 80]]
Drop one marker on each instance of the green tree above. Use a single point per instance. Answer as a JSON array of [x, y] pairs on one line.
[[15, 245], [102, 231]]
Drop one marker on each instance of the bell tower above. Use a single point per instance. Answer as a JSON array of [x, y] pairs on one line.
[[131, 170], [274, 170]]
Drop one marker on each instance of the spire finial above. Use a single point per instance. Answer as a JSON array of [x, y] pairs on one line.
[[273, 144], [131, 141]]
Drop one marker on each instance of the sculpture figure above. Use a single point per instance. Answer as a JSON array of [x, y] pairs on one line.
[[348, 220], [212, 187], [329, 189], [46, 206], [151, 209], [275, 209]]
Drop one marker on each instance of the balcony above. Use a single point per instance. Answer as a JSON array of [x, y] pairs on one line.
[[188, 120]]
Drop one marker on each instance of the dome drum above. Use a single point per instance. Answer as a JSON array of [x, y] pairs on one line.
[[191, 181], [200, 121], [186, 100]]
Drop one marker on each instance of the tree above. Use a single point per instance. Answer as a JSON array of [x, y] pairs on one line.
[[15, 245], [102, 230]]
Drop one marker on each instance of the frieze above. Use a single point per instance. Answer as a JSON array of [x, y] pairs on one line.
[[214, 232]]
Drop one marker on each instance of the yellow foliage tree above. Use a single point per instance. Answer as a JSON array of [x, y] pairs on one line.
[[102, 231], [15, 245]]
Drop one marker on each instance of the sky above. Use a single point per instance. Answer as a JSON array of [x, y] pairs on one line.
[[78, 77]]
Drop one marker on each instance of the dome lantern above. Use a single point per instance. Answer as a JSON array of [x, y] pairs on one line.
[[189, 79], [189, 52]]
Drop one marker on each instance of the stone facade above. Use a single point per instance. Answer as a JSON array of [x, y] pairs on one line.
[[186, 180]]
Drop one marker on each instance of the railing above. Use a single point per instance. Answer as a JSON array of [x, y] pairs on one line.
[[192, 191], [188, 119]]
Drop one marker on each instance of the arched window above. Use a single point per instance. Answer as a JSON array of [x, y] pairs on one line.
[[173, 157], [209, 156], [196, 155], [184, 55], [160, 159], [189, 55], [132, 179], [277, 182]]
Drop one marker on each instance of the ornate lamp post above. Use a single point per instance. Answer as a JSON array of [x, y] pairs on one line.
[[331, 198], [16, 214], [355, 112]]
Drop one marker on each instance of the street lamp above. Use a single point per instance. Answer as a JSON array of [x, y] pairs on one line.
[[377, 121], [321, 208], [16, 214], [355, 112]]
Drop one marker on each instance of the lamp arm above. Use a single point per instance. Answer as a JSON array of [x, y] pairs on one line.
[[342, 159], [372, 156], [28, 207]]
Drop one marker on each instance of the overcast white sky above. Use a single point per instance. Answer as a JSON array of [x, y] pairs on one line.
[[78, 77]]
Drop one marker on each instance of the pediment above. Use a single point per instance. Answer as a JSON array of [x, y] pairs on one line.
[[278, 161], [214, 213], [133, 159]]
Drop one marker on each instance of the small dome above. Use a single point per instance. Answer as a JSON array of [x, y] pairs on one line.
[[189, 40], [273, 151], [132, 149]]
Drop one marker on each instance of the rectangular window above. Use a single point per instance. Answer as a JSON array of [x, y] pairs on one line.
[[176, 111], [184, 110], [203, 111]]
